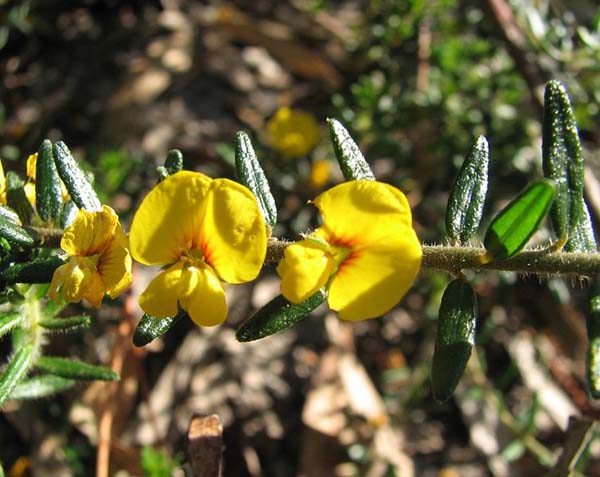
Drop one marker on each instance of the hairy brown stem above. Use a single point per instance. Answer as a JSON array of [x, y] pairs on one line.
[[456, 259]]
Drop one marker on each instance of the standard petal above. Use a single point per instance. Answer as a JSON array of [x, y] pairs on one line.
[[361, 212], [205, 300], [90, 233], [371, 281], [233, 236], [168, 219], [161, 296], [304, 269]]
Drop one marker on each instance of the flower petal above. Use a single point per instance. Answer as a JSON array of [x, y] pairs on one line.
[[205, 298], [163, 292], [72, 280], [234, 236], [168, 220], [94, 290], [360, 212], [90, 232], [114, 267], [373, 280], [304, 269]]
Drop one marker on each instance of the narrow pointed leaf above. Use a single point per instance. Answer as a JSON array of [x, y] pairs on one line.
[[48, 193], [352, 162], [39, 270], [71, 369], [9, 214], [149, 328], [15, 371], [582, 237], [455, 338], [593, 332], [252, 176], [14, 233], [562, 158], [277, 315], [17, 199], [10, 321], [68, 214], [465, 204], [41, 386], [79, 188], [517, 222], [72, 323]]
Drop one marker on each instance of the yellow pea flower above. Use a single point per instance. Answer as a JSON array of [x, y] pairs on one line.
[[366, 253], [2, 185], [320, 173], [292, 132], [206, 231], [99, 261], [30, 185]]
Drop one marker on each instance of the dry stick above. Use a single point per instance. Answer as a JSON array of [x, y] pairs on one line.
[[518, 48], [105, 422], [205, 446], [579, 435]]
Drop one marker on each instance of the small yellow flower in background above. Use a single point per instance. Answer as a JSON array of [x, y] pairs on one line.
[[320, 172], [30, 185], [2, 185], [366, 253], [292, 132], [99, 261], [207, 231]]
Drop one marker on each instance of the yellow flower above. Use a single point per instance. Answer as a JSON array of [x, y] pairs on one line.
[[206, 231], [30, 185], [366, 253], [320, 173], [99, 261], [294, 133], [2, 185]]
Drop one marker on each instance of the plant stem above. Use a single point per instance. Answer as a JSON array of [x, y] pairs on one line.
[[456, 259]]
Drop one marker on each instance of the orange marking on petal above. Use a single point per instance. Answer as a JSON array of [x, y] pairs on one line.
[[350, 259]]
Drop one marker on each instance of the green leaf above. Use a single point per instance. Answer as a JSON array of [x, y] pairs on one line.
[[150, 327], [39, 270], [10, 321], [593, 332], [9, 214], [15, 371], [277, 315], [41, 386], [465, 204], [70, 369], [80, 189], [17, 199], [353, 164], [71, 323], [174, 161], [14, 233], [252, 176], [48, 193], [562, 157], [517, 222], [455, 338], [582, 238], [68, 214]]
